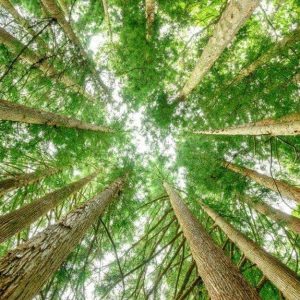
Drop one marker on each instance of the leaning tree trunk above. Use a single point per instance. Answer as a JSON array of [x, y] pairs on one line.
[[287, 125], [21, 180], [275, 214], [20, 113], [22, 22], [19, 219], [31, 57], [221, 278], [235, 15], [281, 187], [150, 15], [25, 270], [287, 41], [281, 276]]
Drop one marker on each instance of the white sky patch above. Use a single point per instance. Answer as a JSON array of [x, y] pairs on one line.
[[98, 41]]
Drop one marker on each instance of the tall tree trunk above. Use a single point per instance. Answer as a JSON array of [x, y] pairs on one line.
[[107, 18], [235, 15], [221, 278], [64, 6], [31, 57], [281, 276], [19, 219], [21, 180], [20, 113], [275, 214], [287, 125], [22, 22], [25, 270], [287, 41], [150, 15], [281, 187]]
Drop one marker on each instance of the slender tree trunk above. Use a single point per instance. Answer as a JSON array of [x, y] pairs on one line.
[[25, 270], [281, 187], [221, 278], [20, 113], [22, 21], [281, 276], [275, 214], [21, 180], [150, 15], [107, 18], [267, 56], [235, 15], [31, 57], [19, 219], [287, 125]]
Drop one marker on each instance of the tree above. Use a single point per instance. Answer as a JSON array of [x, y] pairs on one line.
[[25, 270], [150, 15], [19, 219], [220, 277], [281, 187], [273, 269], [20, 113], [287, 125]]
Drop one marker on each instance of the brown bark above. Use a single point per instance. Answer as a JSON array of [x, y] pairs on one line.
[[107, 18], [150, 15], [281, 276], [21, 180], [290, 221], [20, 113], [235, 15], [31, 57], [25, 270], [19, 219], [281, 187], [221, 278], [287, 125]]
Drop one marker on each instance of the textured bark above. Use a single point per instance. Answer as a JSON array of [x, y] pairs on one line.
[[64, 7], [25, 270], [235, 15], [287, 125], [20, 113], [275, 214], [22, 21], [21, 180], [150, 15], [19, 219], [221, 278], [285, 189], [281, 276], [287, 41], [31, 57]]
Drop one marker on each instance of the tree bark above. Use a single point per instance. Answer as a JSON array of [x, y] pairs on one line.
[[20, 113], [21, 180], [276, 215], [25, 270], [31, 57], [281, 276], [235, 15], [107, 18], [287, 125], [150, 15], [267, 56], [19, 219], [221, 278], [281, 187]]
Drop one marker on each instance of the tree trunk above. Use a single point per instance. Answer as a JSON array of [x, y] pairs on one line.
[[235, 15], [281, 276], [287, 125], [281, 187], [21, 180], [20, 113], [31, 57], [150, 15], [25, 270], [107, 18], [275, 214], [22, 22], [267, 56], [64, 6], [220, 276], [19, 219]]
